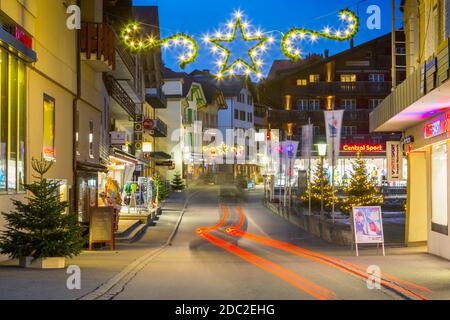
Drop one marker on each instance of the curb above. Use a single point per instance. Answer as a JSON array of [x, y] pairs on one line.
[[115, 285]]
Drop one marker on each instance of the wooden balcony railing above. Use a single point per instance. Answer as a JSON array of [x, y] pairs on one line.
[[342, 88], [120, 95], [98, 44]]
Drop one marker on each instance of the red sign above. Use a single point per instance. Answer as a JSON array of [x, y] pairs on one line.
[[363, 148], [24, 38], [149, 124], [437, 127]]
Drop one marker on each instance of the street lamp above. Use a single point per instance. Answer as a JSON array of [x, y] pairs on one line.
[[322, 150]]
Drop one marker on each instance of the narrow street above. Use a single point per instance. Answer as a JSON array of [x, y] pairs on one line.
[[209, 263]]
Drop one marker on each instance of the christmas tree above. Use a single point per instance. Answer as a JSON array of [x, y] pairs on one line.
[[160, 188], [361, 190], [177, 183], [40, 228], [320, 178]]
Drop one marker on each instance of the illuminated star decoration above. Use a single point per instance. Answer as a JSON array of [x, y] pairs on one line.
[[239, 34], [289, 39], [136, 41]]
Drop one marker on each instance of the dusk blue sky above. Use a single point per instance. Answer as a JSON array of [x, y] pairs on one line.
[[198, 17]]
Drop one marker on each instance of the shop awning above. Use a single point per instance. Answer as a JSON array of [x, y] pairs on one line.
[[122, 156], [91, 167], [159, 155]]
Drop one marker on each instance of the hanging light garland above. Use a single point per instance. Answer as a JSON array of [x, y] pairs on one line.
[[135, 41], [248, 65], [288, 42]]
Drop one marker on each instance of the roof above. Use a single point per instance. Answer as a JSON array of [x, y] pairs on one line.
[[278, 66], [231, 87], [187, 80], [282, 74]]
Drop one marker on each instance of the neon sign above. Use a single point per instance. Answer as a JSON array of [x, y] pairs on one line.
[[363, 148], [437, 127]]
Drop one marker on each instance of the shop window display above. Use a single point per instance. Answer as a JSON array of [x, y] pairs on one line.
[[12, 123]]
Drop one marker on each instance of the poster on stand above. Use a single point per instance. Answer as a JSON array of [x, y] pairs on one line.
[[368, 226]]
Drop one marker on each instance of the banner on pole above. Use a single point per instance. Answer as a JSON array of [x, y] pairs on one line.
[[333, 125], [307, 140], [394, 154]]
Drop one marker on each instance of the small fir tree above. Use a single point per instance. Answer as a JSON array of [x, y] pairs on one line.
[[160, 188], [40, 228], [177, 183], [316, 190], [361, 190]]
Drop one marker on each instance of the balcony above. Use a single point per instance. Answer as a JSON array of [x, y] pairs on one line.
[[360, 88], [156, 128], [425, 92], [156, 98], [98, 46], [301, 117], [120, 95]]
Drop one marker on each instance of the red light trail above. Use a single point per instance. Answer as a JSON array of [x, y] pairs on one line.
[[277, 270], [386, 280]]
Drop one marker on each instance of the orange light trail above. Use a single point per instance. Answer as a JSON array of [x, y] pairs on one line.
[[324, 259], [277, 270], [290, 277]]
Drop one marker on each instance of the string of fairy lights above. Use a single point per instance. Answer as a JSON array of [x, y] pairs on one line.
[[239, 30]]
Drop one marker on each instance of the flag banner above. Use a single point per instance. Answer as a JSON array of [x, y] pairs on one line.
[[333, 125], [307, 141], [289, 149], [394, 154]]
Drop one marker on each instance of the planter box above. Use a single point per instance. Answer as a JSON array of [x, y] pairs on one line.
[[45, 263]]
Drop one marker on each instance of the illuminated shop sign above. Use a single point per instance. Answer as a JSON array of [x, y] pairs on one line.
[[23, 37], [437, 127], [363, 147]]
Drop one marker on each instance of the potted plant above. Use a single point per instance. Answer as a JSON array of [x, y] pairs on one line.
[[39, 231]]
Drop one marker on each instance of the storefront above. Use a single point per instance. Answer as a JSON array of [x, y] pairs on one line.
[[125, 187], [428, 187], [374, 156]]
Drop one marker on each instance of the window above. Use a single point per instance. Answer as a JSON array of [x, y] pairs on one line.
[[349, 130], [373, 103], [400, 51], [314, 104], [439, 201], [316, 131], [348, 104], [376, 77], [250, 117], [236, 114], [242, 116], [250, 100], [348, 78], [49, 128], [302, 82], [91, 139], [314, 78], [302, 104], [12, 123]]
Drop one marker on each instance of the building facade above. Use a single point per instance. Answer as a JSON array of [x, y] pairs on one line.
[[418, 108], [38, 85], [355, 81]]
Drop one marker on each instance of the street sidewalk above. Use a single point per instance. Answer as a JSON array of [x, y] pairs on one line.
[[97, 267]]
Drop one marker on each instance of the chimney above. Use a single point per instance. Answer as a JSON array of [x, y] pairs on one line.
[[326, 53]]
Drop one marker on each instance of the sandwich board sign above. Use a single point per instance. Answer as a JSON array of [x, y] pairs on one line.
[[101, 226], [367, 225]]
